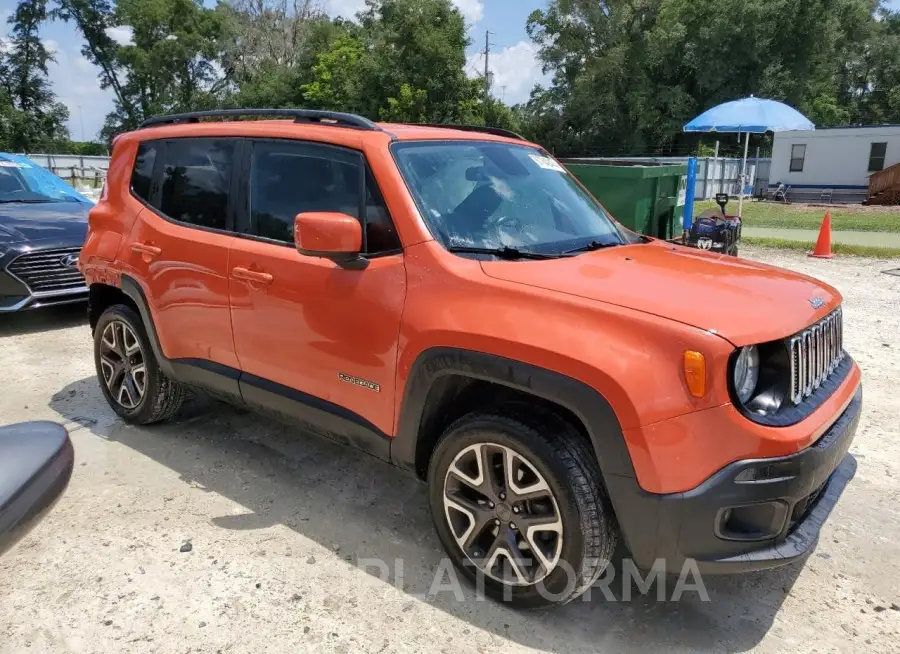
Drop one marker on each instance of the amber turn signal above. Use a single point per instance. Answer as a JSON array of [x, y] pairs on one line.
[[695, 372]]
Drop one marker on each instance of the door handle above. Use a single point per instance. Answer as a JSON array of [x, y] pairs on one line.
[[144, 248], [252, 275]]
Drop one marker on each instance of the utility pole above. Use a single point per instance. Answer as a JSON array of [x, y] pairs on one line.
[[487, 70], [81, 119]]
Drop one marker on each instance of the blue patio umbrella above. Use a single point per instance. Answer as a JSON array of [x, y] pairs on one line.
[[749, 116]]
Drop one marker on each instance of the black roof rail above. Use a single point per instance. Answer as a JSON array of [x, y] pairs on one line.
[[496, 131], [334, 118]]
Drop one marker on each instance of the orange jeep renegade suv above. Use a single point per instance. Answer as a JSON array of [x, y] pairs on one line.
[[451, 300]]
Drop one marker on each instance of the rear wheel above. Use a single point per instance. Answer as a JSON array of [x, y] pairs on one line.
[[129, 374], [518, 503]]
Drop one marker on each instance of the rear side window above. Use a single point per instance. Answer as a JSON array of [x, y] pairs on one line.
[[290, 178], [142, 175], [196, 180]]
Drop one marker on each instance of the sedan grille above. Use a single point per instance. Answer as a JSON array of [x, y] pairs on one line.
[[48, 271], [815, 353]]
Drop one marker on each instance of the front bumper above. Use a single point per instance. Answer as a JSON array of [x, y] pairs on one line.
[[751, 515], [15, 292]]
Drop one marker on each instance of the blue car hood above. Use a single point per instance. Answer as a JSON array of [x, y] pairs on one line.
[[21, 221]]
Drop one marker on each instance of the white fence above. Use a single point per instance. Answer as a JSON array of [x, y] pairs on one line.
[[76, 169], [714, 175]]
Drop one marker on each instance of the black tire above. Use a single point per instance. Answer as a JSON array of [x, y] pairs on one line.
[[567, 463], [162, 397]]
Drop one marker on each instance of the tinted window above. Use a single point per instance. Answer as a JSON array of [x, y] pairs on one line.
[[291, 178], [380, 233], [196, 178], [142, 175]]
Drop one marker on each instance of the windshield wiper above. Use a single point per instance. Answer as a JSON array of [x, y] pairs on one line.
[[506, 252], [24, 201], [590, 247]]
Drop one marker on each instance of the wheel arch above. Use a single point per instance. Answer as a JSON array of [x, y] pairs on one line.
[[444, 383], [133, 291], [102, 296]]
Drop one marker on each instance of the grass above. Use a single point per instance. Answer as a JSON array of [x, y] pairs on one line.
[[837, 248], [801, 216]]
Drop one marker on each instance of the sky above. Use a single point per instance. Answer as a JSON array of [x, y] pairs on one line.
[[513, 60]]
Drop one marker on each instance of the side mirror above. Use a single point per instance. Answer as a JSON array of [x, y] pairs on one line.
[[330, 235], [36, 460]]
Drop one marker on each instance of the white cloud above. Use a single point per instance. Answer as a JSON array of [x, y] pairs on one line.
[[516, 69], [344, 8], [472, 10], [75, 82], [123, 34]]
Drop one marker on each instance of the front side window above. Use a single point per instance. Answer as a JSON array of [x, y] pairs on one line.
[[142, 175], [291, 178], [798, 154], [495, 195], [196, 181], [877, 153]]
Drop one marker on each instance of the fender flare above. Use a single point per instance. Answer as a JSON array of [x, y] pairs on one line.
[[133, 290], [589, 406]]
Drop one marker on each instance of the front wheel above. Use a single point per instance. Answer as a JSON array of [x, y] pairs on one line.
[[518, 503]]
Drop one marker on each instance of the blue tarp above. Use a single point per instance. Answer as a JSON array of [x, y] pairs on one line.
[[40, 180]]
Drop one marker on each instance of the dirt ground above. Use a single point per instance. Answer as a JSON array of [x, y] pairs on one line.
[[281, 526]]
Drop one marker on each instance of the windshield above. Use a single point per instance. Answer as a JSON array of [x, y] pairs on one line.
[[480, 194], [21, 180]]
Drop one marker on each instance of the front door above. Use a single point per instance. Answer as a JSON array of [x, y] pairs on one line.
[[314, 339]]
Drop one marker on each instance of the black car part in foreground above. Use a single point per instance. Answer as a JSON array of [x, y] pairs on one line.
[[36, 460]]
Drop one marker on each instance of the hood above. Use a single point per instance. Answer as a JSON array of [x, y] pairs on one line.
[[21, 221], [743, 301]]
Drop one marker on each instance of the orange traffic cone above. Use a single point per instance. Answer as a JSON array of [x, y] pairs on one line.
[[823, 244]]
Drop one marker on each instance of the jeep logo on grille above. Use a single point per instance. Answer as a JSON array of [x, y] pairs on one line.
[[70, 260], [816, 302]]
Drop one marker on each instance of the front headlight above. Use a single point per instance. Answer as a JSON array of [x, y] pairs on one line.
[[746, 373]]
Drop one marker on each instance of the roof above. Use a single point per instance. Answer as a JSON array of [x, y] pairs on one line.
[[336, 125], [845, 130]]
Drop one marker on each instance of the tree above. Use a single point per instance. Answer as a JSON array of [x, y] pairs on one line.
[[627, 74], [417, 49], [30, 114], [403, 62], [169, 66], [270, 48]]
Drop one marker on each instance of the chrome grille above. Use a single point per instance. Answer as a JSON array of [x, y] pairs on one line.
[[815, 353], [44, 272]]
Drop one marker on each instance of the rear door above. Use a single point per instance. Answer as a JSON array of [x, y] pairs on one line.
[[317, 339], [179, 248]]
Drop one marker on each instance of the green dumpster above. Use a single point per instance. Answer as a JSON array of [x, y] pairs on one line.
[[644, 196]]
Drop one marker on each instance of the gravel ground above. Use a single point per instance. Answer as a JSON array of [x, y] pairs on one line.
[[279, 529]]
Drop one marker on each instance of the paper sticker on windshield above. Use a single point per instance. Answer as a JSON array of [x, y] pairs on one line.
[[13, 164], [546, 163]]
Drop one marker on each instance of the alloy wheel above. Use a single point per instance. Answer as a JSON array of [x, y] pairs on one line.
[[122, 364], [502, 514]]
